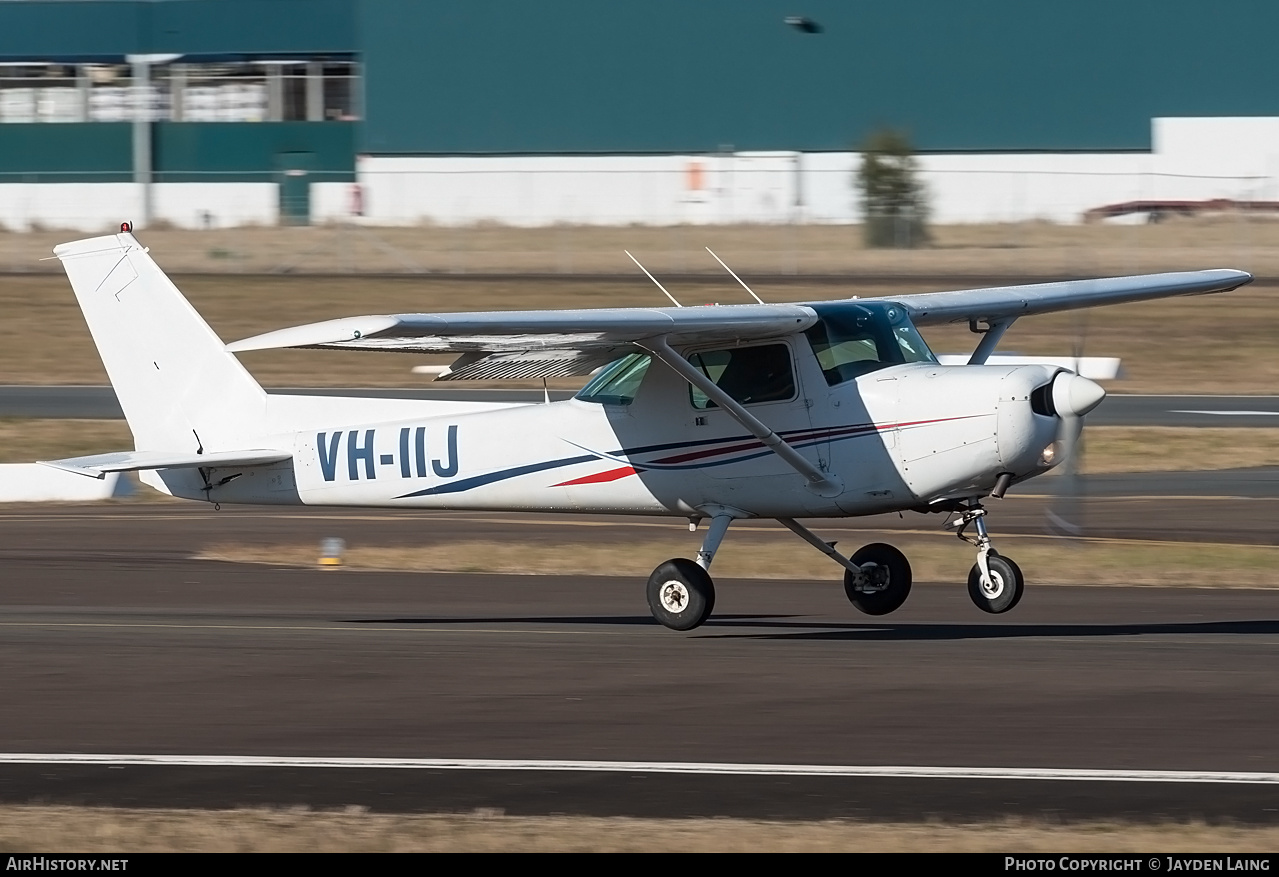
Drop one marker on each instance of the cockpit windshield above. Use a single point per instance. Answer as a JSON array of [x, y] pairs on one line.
[[853, 338]]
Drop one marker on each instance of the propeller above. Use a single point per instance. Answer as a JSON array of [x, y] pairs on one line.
[[1073, 396]]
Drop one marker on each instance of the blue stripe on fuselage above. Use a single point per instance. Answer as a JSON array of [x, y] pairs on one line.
[[465, 484]]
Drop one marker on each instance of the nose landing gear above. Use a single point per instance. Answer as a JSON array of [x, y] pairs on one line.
[[995, 583]]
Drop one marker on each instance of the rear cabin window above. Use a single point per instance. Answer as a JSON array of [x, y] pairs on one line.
[[749, 375]]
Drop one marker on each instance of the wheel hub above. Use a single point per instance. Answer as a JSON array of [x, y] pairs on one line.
[[993, 586], [674, 596], [875, 578]]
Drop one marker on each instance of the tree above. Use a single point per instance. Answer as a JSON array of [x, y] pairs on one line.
[[893, 199]]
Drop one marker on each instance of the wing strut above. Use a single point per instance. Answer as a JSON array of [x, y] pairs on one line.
[[821, 483], [989, 339]]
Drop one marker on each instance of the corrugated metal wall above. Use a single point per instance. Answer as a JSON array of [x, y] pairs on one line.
[[50, 29], [579, 76], [563, 76], [182, 152]]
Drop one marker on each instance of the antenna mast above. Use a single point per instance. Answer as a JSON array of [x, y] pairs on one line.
[[654, 279], [735, 277]]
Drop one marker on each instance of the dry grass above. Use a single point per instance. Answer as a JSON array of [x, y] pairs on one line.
[[152, 831], [757, 555], [1033, 248], [25, 440], [1109, 449]]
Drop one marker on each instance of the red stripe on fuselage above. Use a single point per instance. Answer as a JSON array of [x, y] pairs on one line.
[[827, 433], [599, 478]]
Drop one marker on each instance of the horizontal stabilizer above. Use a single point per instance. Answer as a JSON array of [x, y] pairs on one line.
[[98, 465]]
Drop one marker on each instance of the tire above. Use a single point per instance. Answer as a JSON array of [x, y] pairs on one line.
[[1007, 582], [681, 594], [893, 566]]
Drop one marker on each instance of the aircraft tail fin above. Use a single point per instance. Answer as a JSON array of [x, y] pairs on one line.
[[180, 389]]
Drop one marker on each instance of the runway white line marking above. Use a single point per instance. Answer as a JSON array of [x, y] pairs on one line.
[[1191, 396], [1231, 413], [355, 627], [667, 767]]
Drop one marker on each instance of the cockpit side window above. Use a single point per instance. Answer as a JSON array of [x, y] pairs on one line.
[[850, 340], [618, 382], [747, 374]]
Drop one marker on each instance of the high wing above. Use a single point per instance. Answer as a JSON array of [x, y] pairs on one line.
[[539, 344], [1000, 303], [543, 344]]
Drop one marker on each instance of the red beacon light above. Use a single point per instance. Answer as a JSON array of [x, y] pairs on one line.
[[126, 227]]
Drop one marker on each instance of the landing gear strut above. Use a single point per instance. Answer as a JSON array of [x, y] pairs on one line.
[[876, 578], [995, 583], [681, 593]]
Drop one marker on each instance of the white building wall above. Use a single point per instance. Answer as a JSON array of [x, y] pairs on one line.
[[216, 205], [1248, 146], [100, 207], [1192, 159], [90, 207]]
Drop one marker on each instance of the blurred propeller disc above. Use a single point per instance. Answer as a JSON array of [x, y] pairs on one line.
[[1065, 511], [1073, 396]]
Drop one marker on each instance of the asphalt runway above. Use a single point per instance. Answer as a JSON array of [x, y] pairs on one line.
[[113, 641], [1117, 410]]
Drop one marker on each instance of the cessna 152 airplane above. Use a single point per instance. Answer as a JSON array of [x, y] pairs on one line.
[[785, 411]]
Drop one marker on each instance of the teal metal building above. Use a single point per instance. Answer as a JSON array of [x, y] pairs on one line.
[[565, 76], [259, 90]]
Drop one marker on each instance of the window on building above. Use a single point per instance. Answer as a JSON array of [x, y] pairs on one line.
[[184, 90]]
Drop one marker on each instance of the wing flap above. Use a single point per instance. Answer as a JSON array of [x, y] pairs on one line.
[[528, 365], [98, 465], [1002, 302]]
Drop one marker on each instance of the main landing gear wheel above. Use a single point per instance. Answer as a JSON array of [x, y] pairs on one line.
[[885, 581], [1004, 589], [681, 594]]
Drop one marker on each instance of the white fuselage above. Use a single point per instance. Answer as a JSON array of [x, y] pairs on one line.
[[897, 438]]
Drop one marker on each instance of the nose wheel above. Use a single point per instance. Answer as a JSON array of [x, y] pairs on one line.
[[1001, 588], [995, 583]]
